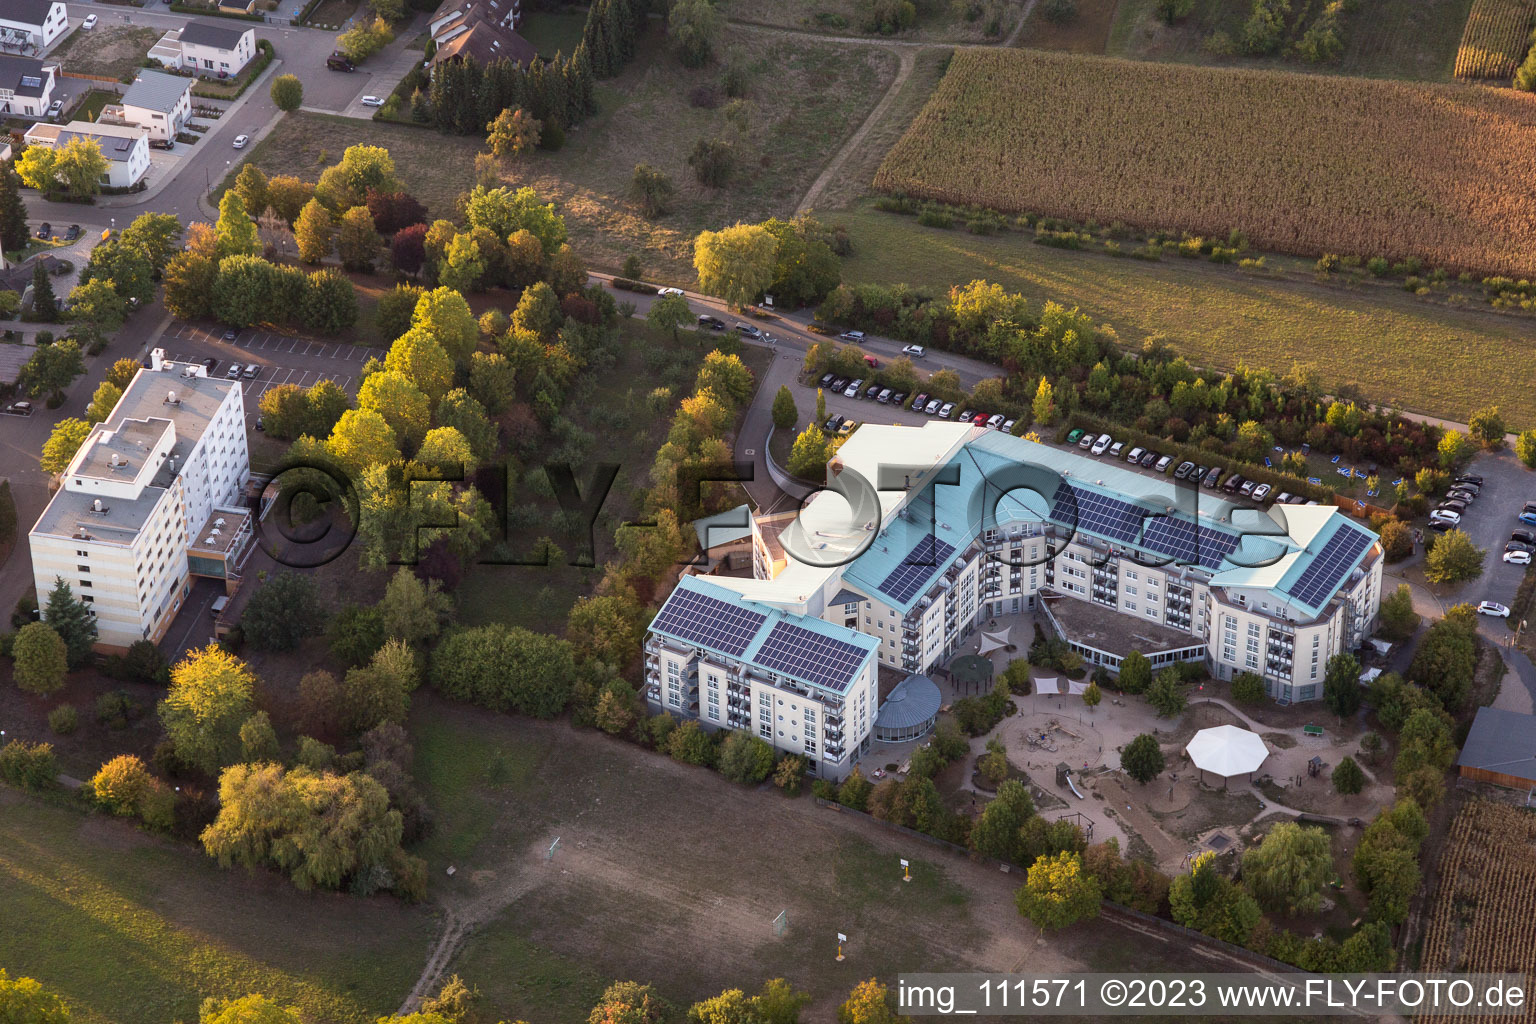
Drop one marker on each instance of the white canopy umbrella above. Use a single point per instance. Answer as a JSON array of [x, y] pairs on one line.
[[1227, 750]]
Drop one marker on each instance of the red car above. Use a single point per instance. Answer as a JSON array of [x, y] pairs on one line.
[[980, 419]]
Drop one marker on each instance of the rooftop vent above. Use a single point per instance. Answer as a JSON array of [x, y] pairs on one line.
[[113, 460], [97, 508], [218, 522], [208, 541], [170, 398]]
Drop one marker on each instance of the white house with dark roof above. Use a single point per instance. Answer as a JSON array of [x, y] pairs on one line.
[[26, 86], [126, 147], [158, 102], [210, 50], [150, 497], [31, 26]]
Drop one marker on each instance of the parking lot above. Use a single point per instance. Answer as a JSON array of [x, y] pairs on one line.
[[1507, 485], [282, 358]]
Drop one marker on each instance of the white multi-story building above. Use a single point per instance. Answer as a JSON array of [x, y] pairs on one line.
[[31, 26], [213, 51], [150, 497], [926, 533], [158, 102]]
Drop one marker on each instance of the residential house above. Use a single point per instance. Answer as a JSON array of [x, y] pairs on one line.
[[159, 102], [478, 30], [31, 26], [212, 51], [150, 499], [26, 86], [126, 147]]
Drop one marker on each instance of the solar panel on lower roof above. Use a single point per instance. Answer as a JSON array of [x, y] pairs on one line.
[[1329, 567], [701, 619], [924, 559], [797, 651], [1154, 531]]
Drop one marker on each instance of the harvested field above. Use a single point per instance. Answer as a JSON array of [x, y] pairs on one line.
[[1299, 163], [1481, 918], [1497, 35]]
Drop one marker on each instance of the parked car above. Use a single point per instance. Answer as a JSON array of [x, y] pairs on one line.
[[872, 392], [1452, 505], [1115, 450], [1470, 478], [933, 406], [89, 22], [826, 380], [1163, 463], [339, 62], [747, 330], [45, 230], [946, 410], [714, 323], [1007, 426], [664, 292], [915, 351], [209, 364], [1461, 494], [1440, 525], [1135, 455], [884, 396], [251, 370], [839, 383], [1150, 459], [994, 421], [233, 373], [1516, 545], [847, 427], [1185, 468], [1232, 483], [854, 336], [1524, 536], [852, 390], [241, 140], [1101, 445], [979, 419], [55, 107], [1517, 557], [1074, 436], [372, 101], [73, 233], [969, 416], [833, 422], [1528, 517], [1445, 516], [920, 402], [899, 399], [230, 334], [1088, 441], [1493, 608], [1213, 477], [1261, 492], [1283, 498]]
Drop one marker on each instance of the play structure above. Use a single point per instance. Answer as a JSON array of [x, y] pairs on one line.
[[1064, 778]]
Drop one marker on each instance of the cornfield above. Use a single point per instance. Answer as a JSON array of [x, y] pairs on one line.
[[1481, 920], [1300, 163], [1497, 35]]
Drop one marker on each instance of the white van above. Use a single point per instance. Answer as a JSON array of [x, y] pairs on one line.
[[219, 604]]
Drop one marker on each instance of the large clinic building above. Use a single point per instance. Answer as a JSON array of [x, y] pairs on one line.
[[926, 533], [150, 499]]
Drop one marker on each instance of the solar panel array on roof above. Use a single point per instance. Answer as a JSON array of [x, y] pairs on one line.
[[1320, 579], [31, 82], [904, 580], [819, 659], [1154, 531], [701, 619]]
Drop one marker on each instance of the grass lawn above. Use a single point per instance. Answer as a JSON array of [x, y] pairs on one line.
[[1377, 338], [845, 18], [553, 32], [132, 928], [111, 50], [658, 878], [1414, 39], [1088, 32], [805, 98], [90, 105], [612, 409]]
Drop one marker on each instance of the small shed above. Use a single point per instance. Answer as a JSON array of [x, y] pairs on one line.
[[1501, 749]]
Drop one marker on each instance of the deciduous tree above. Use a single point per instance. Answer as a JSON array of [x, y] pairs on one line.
[[736, 263], [1142, 758], [210, 698], [512, 133], [1287, 871], [40, 659], [282, 612], [62, 444], [235, 230], [1348, 778], [1058, 893], [287, 92], [313, 232], [651, 190]]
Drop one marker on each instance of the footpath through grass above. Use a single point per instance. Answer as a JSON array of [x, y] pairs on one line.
[[1398, 349], [135, 929]]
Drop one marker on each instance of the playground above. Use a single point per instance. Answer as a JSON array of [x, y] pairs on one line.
[[1072, 752]]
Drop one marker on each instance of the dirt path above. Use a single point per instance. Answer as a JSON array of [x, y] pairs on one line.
[[908, 59]]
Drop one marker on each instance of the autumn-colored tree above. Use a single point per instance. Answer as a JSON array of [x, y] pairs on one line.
[[513, 133]]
